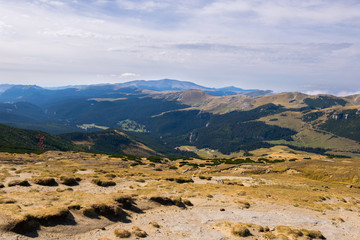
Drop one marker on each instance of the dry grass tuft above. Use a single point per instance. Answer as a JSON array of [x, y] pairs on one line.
[[162, 200], [5, 200], [111, 211], [240, 230], [154, 224], [138, 232], [295, 233], [280, 232], [69, 181], [23, 183], [313, 234], [184, 180], [103, 183], [122, 233], [287, 231], [242, 203], [177, 201], [32, 222], [188, 202], [46, 181], [23, 225], [52, 216], [126, 202]]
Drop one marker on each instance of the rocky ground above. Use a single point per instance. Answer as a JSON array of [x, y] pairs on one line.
[[206, 207]]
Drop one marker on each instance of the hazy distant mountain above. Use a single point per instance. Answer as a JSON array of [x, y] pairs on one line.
[[163, 85], [176, 85], [45, 96], [4, 87]]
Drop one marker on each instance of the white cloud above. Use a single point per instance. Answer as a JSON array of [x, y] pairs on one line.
[[74, 32], [347, 93], [274, 12], [129, 75], [122, 75], [219, 42], [317, 92], [143, 5]]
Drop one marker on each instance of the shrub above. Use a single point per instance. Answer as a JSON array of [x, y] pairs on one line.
[[122, 233], [247, 154], [155, 159], [184, 180], [240, 230], [2, 185]]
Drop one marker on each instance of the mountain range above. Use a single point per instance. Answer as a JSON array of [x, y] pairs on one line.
[[164, 116]]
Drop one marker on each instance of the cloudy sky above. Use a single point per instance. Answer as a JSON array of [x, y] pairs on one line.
[[283, 45]]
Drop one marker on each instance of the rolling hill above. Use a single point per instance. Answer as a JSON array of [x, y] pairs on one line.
[[24, 140], [108, 141], [190, 116]]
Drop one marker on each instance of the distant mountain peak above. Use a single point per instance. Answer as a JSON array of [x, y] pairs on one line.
[[177, 85]]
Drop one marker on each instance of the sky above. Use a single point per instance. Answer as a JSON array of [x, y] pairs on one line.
[[311, 46]]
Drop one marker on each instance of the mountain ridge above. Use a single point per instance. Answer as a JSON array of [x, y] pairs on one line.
[[192, 117], [34, 93]]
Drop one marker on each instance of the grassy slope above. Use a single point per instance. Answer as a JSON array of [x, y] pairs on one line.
[[23, 140], [308, 135]]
